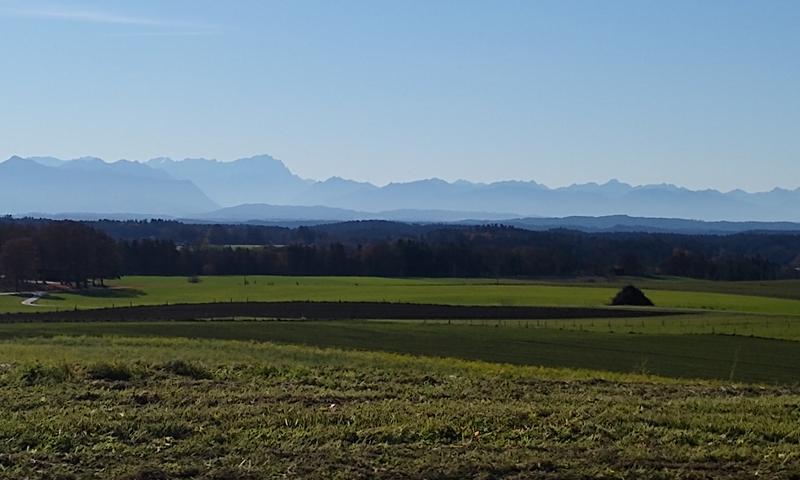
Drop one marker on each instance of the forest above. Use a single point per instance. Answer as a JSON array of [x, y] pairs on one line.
[[80, 253]]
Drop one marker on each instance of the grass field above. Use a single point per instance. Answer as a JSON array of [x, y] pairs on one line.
[[789, 289], [734, 337], [726, 357], [715, 394], [665, 293], [783, 327], [158, 408]]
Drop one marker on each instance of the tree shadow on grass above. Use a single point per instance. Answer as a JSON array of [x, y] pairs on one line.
[[109, 292], [49, 296], [21, 295]]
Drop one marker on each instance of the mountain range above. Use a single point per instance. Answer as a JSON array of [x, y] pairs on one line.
[[263, 188], [88, 184]]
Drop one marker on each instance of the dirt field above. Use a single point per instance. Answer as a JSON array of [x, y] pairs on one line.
[[326, 311]]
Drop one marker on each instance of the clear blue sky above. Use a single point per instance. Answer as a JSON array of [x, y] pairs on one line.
[[698, 93]]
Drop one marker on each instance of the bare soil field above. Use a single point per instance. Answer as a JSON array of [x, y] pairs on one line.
[[327, 311]]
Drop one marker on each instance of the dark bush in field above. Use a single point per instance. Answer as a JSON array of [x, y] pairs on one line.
[[186, 369], [631, 295], [109, 371]]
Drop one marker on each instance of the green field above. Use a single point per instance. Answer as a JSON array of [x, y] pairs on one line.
[[741, 332], [774, 288], [726, 357], [715, 394], [149, 408], [783, 327], [665, 293]]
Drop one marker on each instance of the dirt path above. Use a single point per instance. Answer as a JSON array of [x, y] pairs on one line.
[[30, 301]]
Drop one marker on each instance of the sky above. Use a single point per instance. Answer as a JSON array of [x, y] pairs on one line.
[[704, 94]]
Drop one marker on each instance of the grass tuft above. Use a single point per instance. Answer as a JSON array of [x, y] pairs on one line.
[[39, 374], [147, 473], [187, 369], [114, 371]]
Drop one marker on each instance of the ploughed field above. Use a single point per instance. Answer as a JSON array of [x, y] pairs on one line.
[[315, 377]]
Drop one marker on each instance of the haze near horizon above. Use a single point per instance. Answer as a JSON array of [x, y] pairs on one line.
[[702, 95]]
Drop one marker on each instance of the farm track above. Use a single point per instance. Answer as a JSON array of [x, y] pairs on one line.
[[327, 311], [33, 297]]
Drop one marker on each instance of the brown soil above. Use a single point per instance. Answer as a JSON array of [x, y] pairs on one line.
[[324, 311]]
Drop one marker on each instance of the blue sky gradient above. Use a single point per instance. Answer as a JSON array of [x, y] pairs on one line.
[[701, 94]]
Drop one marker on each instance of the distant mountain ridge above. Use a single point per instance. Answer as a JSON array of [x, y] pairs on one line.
[[299, 215], [247, 180], [265, 212], [92, 185], [201, 186], [296, 216], [624, 223]]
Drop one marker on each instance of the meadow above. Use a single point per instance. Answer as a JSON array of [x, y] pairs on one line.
[[166, 408], [751, 297], [711, 394], [745, 331], [724, 357]]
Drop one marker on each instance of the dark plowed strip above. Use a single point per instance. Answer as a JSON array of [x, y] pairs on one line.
[[325, 311]]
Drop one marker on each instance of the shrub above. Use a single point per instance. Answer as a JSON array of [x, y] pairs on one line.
[[631, 295]]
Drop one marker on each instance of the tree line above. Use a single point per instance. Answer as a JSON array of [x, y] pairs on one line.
[[65, 252], [80, 253], [420, 258]]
